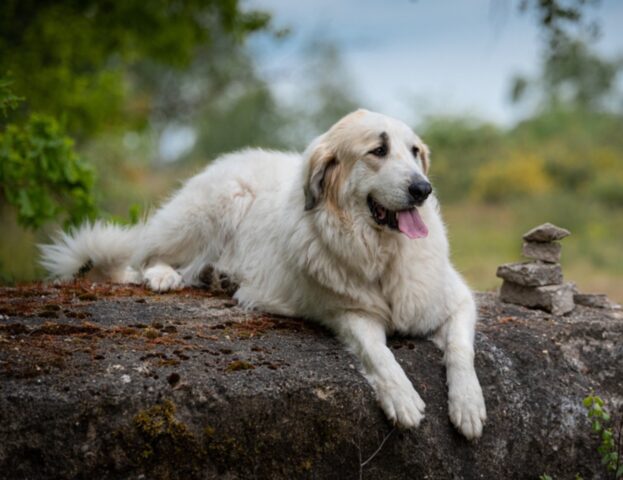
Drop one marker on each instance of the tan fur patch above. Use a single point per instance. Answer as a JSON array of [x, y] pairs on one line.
[[425, 158], [318, 160], [334, 179], [333, 173]]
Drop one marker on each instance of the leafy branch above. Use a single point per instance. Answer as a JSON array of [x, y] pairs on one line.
[[40, 173], [611, 440]]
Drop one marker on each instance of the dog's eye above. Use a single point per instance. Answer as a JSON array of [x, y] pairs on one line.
[[379, 151], [415, 151]]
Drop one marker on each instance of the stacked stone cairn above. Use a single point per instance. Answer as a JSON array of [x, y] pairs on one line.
[[539, 283]]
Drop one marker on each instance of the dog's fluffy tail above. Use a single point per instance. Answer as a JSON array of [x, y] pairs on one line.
[[103, 250]]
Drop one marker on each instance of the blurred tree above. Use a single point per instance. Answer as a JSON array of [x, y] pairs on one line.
[[79, 67], [562, 20], [575, 127], [576, 77], [40, 174], [570, 145], [222, 100], [245, 102], [70, 59], [320, 98], [572, 74], [330, 96], [582, 151], [459, 146]]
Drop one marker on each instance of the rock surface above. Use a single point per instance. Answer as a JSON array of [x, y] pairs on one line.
[[595, 300], [544, 251], [556, 299], [546, 233], [115, 382], [531, 274]]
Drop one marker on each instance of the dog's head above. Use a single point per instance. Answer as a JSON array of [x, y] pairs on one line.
[[373, 166]]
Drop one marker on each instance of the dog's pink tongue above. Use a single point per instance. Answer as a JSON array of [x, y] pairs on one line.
[[411, 224]]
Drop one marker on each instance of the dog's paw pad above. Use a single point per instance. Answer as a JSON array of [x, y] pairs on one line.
[[403, 407], [163, 279], [468, 412], [218, 281]]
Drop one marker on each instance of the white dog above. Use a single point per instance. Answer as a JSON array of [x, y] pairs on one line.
[[348, 234]]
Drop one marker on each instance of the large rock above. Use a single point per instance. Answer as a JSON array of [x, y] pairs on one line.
[[118, 383], [531, 274], [545, 251], [556, 299], [546, 233]]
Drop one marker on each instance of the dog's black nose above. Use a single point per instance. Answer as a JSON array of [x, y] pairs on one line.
[[420, 190]]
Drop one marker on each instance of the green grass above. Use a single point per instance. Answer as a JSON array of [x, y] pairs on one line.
[[18, 252], [484, 236]]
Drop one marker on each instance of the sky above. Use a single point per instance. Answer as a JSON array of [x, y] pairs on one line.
[[412, 58]]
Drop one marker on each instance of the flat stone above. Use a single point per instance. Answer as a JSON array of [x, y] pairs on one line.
[[531, 274], [545, 251], [546, 233], [556, 299], [594, 300]]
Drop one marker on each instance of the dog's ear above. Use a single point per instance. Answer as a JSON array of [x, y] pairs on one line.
[[425, 156], [320, 162]]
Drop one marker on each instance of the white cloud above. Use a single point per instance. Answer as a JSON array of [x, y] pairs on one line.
[[451, 54]]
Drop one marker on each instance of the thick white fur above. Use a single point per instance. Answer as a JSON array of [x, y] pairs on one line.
[[107, 247], [317, 254]]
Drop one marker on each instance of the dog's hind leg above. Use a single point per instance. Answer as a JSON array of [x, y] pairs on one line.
[[175, 246], [192, 230], [466, 405], [214, 280], [161, 277], [365, 337]]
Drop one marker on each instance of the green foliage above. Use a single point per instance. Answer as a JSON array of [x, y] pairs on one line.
[[8, 101], [611, 448], [608, 189], [41, 175], [78, 68], [519, 176], [75, 59], [134, 215], [238, 97], [459, 147], [572, 144], [328, 96], [561, 20], [574, 75], [562, 151], [583, 76]]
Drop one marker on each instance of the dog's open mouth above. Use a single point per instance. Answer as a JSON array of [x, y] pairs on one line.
[[407, 221]]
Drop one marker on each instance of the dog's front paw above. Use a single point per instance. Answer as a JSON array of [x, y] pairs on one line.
[[402, 405], [467, 408], [162, 278]]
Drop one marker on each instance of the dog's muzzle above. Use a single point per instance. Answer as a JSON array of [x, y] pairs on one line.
[[381, 215], [408, 221]]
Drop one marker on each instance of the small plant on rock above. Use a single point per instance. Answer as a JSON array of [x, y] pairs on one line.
[[611, 448], [611, 437]]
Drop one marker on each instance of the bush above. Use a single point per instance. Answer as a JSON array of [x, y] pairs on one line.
[[40, 173], [519, 175]]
